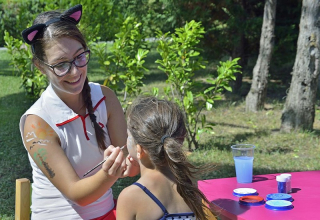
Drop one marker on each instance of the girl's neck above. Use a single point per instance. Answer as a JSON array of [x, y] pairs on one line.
[[147, 172]]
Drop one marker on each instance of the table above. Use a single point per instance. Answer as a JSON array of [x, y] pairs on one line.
[[305, 192]]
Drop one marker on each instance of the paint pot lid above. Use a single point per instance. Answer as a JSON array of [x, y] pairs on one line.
[[279, 205], [251, 200], [244, 192], [282, 178], [286, 175], [279, 196]]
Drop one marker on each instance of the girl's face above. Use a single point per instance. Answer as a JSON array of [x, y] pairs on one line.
[[62, 50], [131, 146]]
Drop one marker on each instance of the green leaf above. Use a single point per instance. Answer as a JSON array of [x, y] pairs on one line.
[[208, 106]]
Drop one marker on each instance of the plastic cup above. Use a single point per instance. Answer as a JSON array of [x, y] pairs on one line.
[[243, 155]]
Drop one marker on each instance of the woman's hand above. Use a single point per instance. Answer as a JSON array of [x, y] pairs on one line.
[[115, 164]]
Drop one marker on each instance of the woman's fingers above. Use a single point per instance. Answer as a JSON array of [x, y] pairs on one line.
[[108, 151], [113, 165]]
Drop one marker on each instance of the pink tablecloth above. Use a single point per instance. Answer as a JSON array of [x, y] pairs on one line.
[[306, 195]]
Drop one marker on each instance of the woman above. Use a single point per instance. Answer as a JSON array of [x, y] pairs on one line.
[[156, 131], [72, 127]]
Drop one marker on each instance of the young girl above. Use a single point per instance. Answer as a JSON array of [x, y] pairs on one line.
[[72, 127], [156, 131]]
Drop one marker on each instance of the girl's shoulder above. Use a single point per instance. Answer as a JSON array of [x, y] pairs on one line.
[[130, 193]]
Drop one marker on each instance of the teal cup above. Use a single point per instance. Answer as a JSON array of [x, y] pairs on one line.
[[243, 155]]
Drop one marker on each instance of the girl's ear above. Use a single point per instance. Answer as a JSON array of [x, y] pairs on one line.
[[140, 152]]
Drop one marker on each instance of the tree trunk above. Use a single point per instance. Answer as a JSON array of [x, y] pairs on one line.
[[299, 109], [239, 46], [257, 94]]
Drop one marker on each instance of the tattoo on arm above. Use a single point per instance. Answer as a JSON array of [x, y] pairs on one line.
[[46, 165], [40, 157], [40, 136]]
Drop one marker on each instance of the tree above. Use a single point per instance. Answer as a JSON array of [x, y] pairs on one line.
[[299, 109], [256, 96]]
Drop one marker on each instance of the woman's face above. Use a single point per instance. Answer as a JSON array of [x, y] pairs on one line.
[[131, 146], [62, 50]]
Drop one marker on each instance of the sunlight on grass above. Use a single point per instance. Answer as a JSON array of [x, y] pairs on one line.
[[275, 151]]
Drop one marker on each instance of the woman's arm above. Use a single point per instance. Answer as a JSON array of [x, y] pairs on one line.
[[117, 129], [117, 125], [43, 145]]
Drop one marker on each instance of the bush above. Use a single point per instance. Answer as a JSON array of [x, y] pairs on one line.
[[33, 81], [181, 59]]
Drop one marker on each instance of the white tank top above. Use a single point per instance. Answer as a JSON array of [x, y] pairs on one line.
[[79, 143]]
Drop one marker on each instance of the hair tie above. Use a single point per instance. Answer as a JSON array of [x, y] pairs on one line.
[[93, 117], [163, 138]]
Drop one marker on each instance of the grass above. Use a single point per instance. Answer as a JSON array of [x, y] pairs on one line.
[[275, 151]]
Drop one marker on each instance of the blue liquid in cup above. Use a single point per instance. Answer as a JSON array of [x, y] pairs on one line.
[[244, 168]]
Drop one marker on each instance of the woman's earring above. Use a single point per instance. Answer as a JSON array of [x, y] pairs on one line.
[[138, 155]]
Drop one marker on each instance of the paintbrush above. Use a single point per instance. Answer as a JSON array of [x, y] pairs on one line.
[[99, 164]]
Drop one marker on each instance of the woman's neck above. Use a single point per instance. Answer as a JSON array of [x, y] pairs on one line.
[[73, 101]]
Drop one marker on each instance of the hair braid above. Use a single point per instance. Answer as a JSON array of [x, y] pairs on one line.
[[100, 133]]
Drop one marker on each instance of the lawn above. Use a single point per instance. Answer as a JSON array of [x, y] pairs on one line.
[[275, 151]]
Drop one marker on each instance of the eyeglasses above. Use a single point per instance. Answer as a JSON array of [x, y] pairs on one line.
[[61, 69]]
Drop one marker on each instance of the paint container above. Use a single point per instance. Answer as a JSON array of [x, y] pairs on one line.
[[282, 184], [279, 196], [288, 176], [251, 200], [245, 192], [278, 205]]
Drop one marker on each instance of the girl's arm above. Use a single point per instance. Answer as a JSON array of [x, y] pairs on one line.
[[45, 150], [127, 204]]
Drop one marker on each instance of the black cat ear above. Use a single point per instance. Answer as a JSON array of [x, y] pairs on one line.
[[73, 14], [30, 34]]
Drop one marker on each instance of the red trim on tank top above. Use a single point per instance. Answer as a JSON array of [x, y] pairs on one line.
[[67, 121], [101, 125], [83, 118], [101, 100]]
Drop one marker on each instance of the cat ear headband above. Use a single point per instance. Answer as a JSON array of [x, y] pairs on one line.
[[32, 33]]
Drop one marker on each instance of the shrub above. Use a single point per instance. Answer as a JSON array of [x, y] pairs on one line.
[[33, 81], [180, 60]]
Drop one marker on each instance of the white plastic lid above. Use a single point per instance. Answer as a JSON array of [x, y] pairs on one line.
[[286, 175], [244, 192], [281, 178]]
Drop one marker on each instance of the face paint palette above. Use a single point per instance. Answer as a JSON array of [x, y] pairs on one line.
[[251, 200], [245, 192], [279, 205], [279, 196]]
